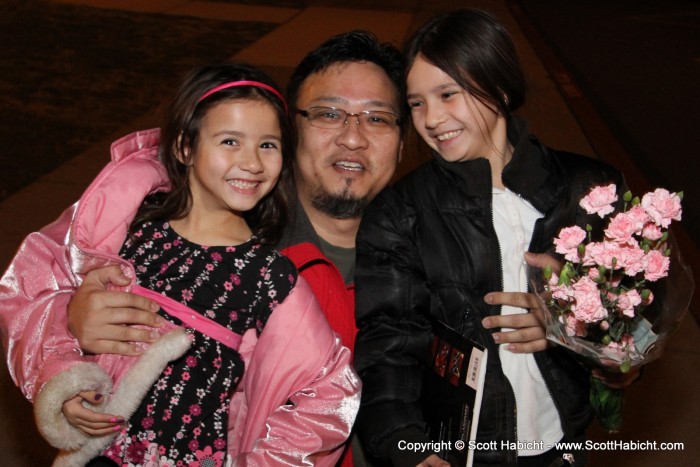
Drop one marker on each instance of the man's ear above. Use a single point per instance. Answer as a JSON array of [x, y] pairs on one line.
[[400, 151]]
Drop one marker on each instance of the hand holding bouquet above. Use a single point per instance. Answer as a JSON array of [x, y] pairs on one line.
[[616, 301]]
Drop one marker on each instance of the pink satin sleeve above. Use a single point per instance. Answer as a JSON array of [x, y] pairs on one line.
[[300, 393]]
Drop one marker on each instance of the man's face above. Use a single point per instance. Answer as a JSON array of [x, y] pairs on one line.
[[338, 171]]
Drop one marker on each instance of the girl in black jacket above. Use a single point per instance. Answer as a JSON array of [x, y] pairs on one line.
[[448, 241]]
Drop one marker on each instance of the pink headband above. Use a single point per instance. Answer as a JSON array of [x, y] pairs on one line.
[[232, 84]]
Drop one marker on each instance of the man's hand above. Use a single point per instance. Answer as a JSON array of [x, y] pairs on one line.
[[528, 334], [88, 421], [100, 319]]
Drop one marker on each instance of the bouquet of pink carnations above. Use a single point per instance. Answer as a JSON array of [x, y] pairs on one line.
[[616, 301]]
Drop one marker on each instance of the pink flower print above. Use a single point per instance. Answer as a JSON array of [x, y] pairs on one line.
[[167, 414], [291, 278], [195, 409], [263, 271], [219, 444], [197, 431], [233, 315], [185, 376], [599, 200], [186, 419], [168, 371], [167, 246], [217, 362], [157, 235], [209, 267], [656, 265], [228, 285], [208, 458], [627, 301], [147, 422], [662, 206], [622, 227], [587, 306], [568, 241], [187, 295], [163, 268], [177, 242], [139, 233], [159, 283], [216, 256], [236, 279], [191, 361], [189, 261], [193, 445], [230, 249], [135, 452], [161, 450], [149, 408], [272, 293]]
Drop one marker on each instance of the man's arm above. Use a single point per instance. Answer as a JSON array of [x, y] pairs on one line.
[[101, 319]]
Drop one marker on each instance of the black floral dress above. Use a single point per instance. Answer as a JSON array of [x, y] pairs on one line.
[[183, 420]]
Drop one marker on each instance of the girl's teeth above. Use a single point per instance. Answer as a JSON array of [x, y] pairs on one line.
[[243, 184], [446, 136]]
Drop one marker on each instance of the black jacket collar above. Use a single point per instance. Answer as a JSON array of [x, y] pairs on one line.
[[532, 173]]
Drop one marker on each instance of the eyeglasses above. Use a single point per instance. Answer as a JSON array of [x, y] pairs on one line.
[[373, 121]]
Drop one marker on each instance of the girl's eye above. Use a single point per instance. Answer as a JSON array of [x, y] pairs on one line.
[[269, 145], [414, 104], [447, 95], [230, 142]]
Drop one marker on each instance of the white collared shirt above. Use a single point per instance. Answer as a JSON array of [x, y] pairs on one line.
[[538, 420]]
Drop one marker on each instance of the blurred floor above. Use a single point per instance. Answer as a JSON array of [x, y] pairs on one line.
[[78, 74]]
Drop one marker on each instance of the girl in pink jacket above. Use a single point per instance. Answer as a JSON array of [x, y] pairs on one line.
[[247, 371]]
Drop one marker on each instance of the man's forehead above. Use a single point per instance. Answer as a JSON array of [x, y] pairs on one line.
[[343, 83]]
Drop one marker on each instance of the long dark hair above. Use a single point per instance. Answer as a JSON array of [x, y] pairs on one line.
[[475, 50], [181, 131]]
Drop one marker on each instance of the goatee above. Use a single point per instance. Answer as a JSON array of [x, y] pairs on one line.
[[342, 206]]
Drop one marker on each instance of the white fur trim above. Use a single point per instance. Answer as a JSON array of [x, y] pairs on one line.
[[48, 406], [130, 392]]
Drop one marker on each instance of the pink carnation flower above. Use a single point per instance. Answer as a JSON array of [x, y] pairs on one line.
[[568, 241], [575, 327], [622, 227], [588, 306], [652, 232], [627, 301], [662, 206], [631, 258], [656, 265], [559, 292], [599, 200]]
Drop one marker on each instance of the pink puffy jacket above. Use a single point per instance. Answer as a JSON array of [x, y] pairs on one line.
[[299, 395]]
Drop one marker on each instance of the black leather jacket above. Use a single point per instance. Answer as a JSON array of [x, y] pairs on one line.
[[428, 246]]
